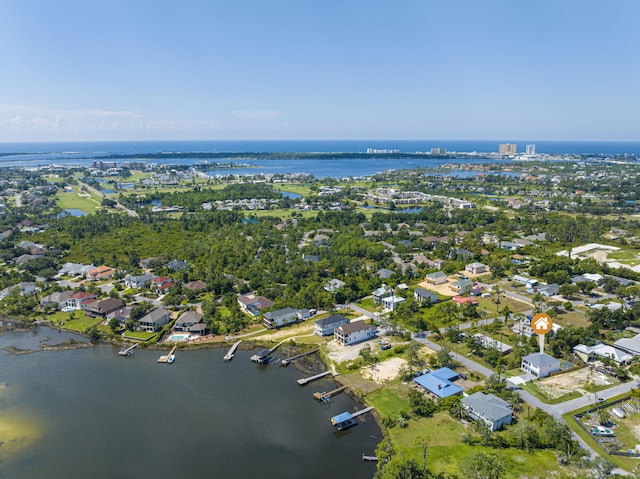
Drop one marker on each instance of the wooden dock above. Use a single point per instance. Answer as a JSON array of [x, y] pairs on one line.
[[127, 351], [287, 361], [264, 356], [303, 381], [362, 411], [231, 352], [324, 396], [169, 357]]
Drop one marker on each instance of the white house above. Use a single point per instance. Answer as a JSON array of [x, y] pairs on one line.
[[333, 285], [489, 409], [540, 365], [391, 302], [354, 332], [275, 319], [327, 326], [476, 268]]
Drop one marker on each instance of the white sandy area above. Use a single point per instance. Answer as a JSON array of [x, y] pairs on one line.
[[384, 371]]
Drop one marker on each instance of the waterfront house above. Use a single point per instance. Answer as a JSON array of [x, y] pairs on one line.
[[436, 278], [540, 365], [56, 300], [121, 315], [439, 383], [424, 295], [354, 332], [489, 409], [253, 305], [189, 321], [153, 320], [100, 309], [327, 326], [280, 317], [80, 299]]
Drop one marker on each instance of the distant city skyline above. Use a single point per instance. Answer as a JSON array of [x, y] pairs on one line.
[[297, 69]]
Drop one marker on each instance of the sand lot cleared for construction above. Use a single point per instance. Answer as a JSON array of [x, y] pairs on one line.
[[561, 384], [384, 371]]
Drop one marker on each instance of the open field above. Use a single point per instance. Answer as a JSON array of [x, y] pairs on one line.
[[446, 452], [87, 202]]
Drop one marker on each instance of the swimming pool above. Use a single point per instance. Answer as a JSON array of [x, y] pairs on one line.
[[178, 337]]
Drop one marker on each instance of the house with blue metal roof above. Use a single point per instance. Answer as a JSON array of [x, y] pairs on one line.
[[439, 383]]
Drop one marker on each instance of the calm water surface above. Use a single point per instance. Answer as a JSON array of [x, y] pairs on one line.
[[103, 416]]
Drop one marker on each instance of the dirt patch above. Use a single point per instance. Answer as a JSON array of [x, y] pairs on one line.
[[384, 371], [441, 289], [561, 384]]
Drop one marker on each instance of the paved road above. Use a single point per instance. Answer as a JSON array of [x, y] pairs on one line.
[[556, 410]]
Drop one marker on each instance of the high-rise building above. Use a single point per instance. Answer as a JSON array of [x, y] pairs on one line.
[[507, 148], [438, 151], [531, 149]]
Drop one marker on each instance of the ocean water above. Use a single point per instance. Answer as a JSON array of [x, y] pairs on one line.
[[83, 154], [98, 148]]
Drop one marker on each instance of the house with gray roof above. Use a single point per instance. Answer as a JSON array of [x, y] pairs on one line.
[[102, 308], [253, 305], [549, 290], [153, 320], [26, 288], [385, 273], [629, 345], [333, 285], [189, 321], [138, 282], [327, 326], [436, 278], [461, 286], [422, 295], [56, 300], [489, 409], [540, 365], [280, 317]]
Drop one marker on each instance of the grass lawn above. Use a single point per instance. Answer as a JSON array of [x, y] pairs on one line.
[[300, 189], [577, 319], [89, 204], [446, 450], [514, 305], [390, 401], [281, 213], [138, 335], [630, 257], [368, 304], [81, 322]]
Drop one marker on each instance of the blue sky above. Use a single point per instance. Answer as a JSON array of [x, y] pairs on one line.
[[319, 69]]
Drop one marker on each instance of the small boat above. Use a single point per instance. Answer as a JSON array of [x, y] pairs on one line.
[[171, 358]]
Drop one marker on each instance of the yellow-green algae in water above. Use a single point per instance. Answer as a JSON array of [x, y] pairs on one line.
[[18, 432]]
